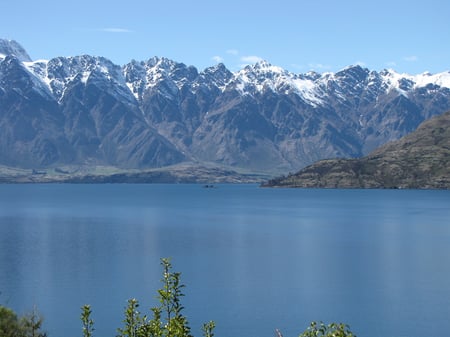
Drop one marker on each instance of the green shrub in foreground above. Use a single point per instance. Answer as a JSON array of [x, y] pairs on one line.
[[167, 318], [331, 330], [27, 326]]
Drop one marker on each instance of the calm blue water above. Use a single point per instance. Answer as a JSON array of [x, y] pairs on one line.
[[253, 259]]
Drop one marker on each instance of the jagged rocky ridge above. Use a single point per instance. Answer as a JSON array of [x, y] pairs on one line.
[[85, 110], [420, 159]]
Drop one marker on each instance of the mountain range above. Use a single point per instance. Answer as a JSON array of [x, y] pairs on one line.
[[420, 159], [86, 111]]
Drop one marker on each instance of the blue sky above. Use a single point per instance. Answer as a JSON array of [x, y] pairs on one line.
[[322, 35]]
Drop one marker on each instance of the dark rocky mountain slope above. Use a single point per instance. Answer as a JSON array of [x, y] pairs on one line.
[[85, 111], [418, 160]]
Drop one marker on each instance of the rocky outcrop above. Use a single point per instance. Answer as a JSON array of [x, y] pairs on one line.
[[419, 160]]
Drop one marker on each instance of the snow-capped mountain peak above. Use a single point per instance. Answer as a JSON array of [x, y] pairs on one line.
[[217, 75], [265, 67], [13, 48], [441, 79], [405, 82], [263, 76], [168, 75], [59, 73], [159, 111]]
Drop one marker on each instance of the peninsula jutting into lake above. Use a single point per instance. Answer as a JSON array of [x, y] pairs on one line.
[[418, 160]]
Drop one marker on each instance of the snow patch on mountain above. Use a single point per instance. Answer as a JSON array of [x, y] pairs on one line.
[[143, 76], [440, 79], [39, 69], [58, 73], [404, 83], [216, 76], [38, 85], [307, 89], [263, 76], [168, 78]]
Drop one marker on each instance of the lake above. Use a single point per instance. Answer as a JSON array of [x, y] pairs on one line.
[[252, 259]]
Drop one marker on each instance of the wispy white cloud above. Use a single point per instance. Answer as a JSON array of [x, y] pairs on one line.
[[251, 59], [318, 66], [391, 64], [235, 58], [218, 59], [115, 30], [297, 66], [411, 58], [233, 52]]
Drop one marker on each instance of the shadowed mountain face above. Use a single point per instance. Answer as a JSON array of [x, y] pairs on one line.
[[86, 110], [418, 160], [31, 121]]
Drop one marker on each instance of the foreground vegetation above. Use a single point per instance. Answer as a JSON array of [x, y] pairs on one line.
[[27, 326], [166, 320]]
